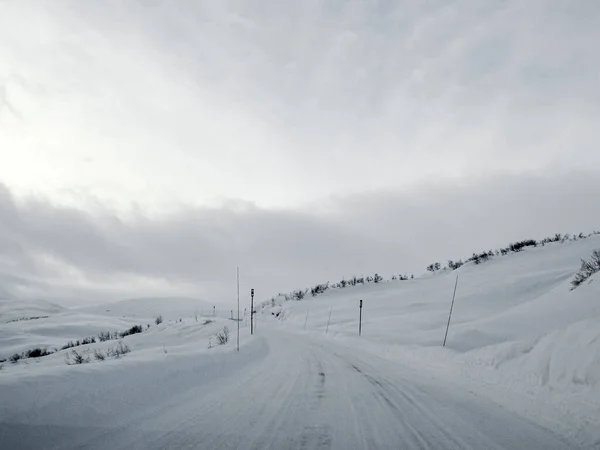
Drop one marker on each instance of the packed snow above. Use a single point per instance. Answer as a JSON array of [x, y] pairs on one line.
[[520, 369]]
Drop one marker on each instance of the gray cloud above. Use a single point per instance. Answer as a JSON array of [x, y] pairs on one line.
[[353, 137], [195, 250]]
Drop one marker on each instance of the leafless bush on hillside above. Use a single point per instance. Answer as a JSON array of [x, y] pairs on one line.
[[587, 269], [433, 267], [453, 265], [223, 336], [74, 357], [318, 289], [37, 353], [133, 330], [299, 294], [120, 350], [105, 336]]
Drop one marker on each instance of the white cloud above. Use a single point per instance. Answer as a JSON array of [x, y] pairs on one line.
[[166, 142], [284, 103]]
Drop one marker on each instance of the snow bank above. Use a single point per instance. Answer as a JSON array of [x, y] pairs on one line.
[[517, 329]]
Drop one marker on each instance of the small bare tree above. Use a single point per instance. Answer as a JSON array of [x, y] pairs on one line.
[[76, 358], [587, 269], [223, 336], [99, 355]]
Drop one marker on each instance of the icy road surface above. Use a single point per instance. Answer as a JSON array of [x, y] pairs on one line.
[[282, 391]]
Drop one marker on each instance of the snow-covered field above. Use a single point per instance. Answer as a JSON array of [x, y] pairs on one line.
[[518, 333], [187, 326], [521, 367]]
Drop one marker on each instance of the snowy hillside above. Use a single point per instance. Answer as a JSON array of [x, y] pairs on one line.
[[516, 324], [18, 310], [521, 365], [38, 324]]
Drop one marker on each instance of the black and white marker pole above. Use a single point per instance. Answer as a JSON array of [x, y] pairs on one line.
[[360, 318], [251, 311]]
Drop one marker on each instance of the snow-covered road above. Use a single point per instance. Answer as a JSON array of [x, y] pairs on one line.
[[282, 391]]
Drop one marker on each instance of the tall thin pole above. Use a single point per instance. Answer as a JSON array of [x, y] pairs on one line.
[[238, 306], [450, 315], [251, 311], [360, 319], [328, 320], [306, 321]]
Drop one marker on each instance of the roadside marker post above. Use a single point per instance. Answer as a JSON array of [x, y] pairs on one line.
[[450, 315], [360, 318], [251, 311]]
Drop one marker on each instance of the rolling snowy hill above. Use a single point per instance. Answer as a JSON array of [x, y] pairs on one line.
[[516, 326], [523, 351]]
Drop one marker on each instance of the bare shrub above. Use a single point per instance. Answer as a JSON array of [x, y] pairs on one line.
[[518, 246], [36, 353], [223, 336], [99, 355], [118, 351], [133, 330], [318, 289], [105, 336], [68, 345], [433, 267], [587, 269], [299, 294], [121, 349], [453, 265], [158, 320], [76, 358]]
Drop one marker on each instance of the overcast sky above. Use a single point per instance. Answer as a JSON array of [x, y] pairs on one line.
[[149, 147]]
